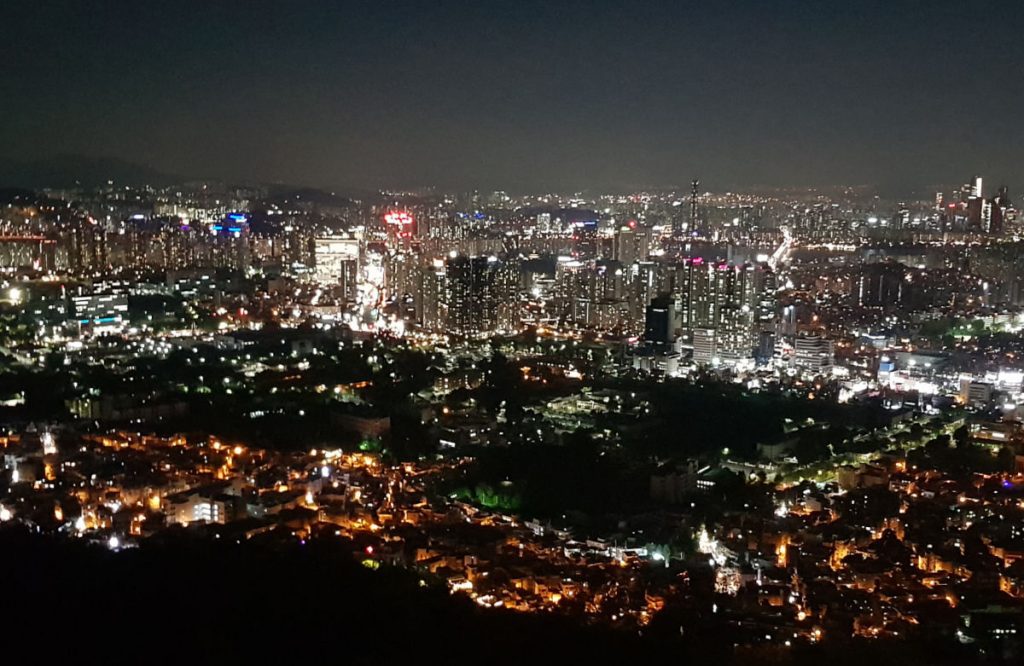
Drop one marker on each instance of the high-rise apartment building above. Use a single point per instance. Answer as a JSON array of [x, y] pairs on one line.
[[470, 294]]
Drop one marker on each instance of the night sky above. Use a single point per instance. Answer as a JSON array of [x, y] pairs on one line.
[[519, 95]]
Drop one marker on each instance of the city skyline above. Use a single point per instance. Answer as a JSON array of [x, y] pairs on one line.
[[536, 332]]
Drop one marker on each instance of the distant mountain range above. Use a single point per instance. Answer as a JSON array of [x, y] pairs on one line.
[[66, 171], [70, 170], [73, 171]]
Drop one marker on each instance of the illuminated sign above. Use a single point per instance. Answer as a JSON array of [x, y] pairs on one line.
[[398, 218]]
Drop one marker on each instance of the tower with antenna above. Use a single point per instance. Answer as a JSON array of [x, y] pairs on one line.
[[694, 189]]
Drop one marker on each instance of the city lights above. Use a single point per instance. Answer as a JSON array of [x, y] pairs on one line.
[[652, 330]]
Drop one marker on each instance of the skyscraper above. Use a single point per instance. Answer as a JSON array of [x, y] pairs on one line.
[[470, 294], [507, 281], [724, 302], [572, 291], [88, 247], [659, 323], [431, 310], [694, 191], [227, 244]]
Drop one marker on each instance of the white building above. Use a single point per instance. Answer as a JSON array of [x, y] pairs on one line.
[[337, 264], [334, 255], [812, 354], [705, 345]]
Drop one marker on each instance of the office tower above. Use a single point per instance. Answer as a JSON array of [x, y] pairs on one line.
[[901, 220], [812, 354], [972, 204], [659, 323], [1000, 210], [705, 346], [986, 215], [765, 347], [657, 352]]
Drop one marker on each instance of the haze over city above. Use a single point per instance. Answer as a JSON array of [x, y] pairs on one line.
[[540, 96]]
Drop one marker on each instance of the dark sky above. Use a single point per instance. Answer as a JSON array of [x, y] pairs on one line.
[[541, 95]]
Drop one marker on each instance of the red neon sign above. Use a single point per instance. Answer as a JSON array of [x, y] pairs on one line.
[[398, 218]]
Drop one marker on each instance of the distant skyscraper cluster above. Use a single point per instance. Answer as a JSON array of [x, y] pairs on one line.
[[684, 279], [971, 210]]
